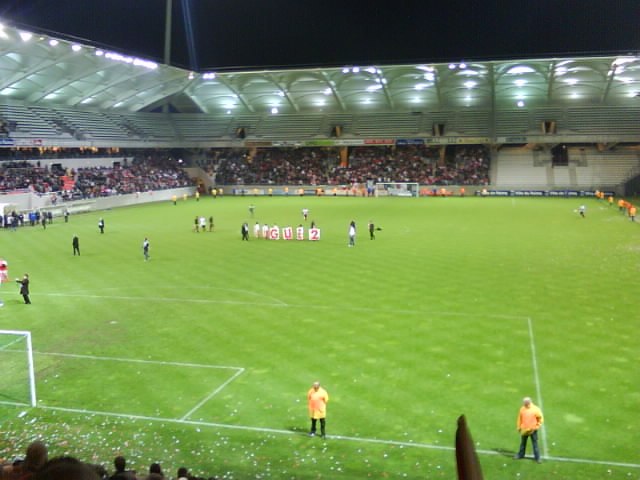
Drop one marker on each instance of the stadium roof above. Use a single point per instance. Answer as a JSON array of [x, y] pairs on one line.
[[40, 69]]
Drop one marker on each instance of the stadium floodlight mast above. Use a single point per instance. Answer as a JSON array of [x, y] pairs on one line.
[[29, 353]]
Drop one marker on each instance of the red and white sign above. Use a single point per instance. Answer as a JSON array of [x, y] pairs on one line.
[[314, 234]]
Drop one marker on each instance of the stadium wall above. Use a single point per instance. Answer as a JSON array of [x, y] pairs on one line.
[[31, 201]]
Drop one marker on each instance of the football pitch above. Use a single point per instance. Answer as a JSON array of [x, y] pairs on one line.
[[203, 355]]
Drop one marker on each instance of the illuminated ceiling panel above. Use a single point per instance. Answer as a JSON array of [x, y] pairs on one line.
[[35, 70]]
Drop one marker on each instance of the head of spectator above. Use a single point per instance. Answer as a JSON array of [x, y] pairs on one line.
[[183, 473], [66, 468], [155, 472]]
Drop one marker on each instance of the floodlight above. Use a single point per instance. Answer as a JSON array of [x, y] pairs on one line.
[[520, 69]]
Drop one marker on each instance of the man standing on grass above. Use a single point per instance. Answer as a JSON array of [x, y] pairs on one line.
[[318, 398], [75, 243], [145, 249], [24, 288], [529, 421]]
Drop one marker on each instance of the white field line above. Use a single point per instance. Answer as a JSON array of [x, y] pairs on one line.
[[6, 347], [282, 304], [211, 395], [330, 437], [536, 379], [135, 360], [240, 370]]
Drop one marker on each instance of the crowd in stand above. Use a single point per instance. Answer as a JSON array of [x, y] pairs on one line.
[[36, 465], [468, 165], [138, 175], [157, 170]]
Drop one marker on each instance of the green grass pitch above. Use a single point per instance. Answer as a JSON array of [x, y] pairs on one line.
[[203, 355]]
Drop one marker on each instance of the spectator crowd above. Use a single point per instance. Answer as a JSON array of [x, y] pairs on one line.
[[36, 465], [158, 170], [466, 165], [141, 174]]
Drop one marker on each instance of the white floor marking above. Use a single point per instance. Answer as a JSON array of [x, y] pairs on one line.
[[240, 370], [211, 395], [135, 360], [329, 437], [536, 379], [282, 304]]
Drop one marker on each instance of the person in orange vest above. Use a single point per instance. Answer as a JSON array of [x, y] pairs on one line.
[[318, 398], [610, 201], [621, 203], [632, 212], [462, 192], [529, 421]]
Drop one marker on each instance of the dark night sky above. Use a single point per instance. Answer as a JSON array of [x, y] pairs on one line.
[[271, 33]]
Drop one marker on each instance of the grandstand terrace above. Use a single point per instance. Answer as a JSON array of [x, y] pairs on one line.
[[517, 111]]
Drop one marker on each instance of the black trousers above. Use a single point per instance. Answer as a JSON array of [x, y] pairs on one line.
[[534, 444], [323, 422]]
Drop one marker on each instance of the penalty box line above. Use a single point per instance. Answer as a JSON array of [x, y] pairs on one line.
[[425, 446], [239, 370], [236, 374]]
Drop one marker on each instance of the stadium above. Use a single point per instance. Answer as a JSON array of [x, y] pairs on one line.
[[502, 263]]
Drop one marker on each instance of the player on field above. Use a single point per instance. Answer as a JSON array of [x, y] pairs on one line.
[[352, 234]]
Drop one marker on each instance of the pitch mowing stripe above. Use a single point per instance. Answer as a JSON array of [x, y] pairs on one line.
[[335, 437]]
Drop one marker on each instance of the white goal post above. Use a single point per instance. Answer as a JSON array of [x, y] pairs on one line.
[[397, 189], [16, 354]]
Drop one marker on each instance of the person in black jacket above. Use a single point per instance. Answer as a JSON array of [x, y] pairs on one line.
[[75, 243], [24, 288]]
